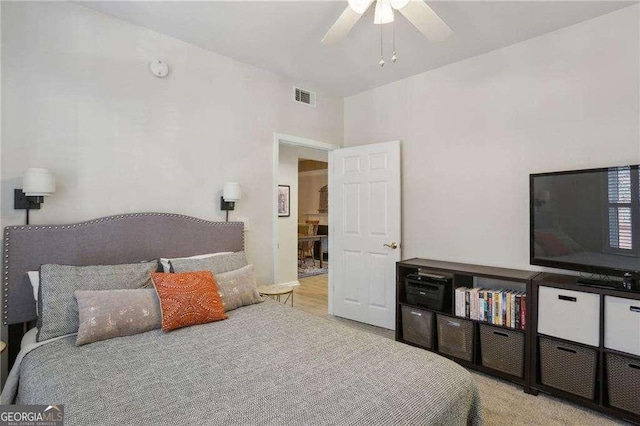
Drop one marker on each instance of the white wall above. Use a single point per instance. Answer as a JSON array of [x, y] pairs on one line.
[[309, 184], [121, 140], [287, 269], [313, 154], [473, 131]]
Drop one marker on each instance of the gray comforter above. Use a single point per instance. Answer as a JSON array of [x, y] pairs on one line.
[[266, 364]]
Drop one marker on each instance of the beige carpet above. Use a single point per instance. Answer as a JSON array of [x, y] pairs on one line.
[[503, 403], [506, 404]]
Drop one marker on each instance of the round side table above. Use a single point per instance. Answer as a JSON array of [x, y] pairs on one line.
[[276, 290]]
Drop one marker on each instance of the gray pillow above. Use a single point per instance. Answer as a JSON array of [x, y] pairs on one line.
[[105, 314], [238, 288], [57, 307], [217, 264]]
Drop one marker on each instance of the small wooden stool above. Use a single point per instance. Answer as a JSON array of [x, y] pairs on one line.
[[276, 290]]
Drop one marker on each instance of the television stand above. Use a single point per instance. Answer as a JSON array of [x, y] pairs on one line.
[[613, 285], [602, 325], [552, 351], [460, 338]]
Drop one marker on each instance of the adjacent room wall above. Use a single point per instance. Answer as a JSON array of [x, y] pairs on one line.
[[287, 269], [473, 131], [309, 187], [287, 244], [118, 139]]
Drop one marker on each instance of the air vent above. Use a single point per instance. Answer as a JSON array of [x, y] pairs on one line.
[[304, 96]]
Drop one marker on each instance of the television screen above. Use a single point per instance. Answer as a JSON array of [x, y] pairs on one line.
[[586, 220]]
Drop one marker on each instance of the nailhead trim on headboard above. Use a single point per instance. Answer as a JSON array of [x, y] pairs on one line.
[[6, 277], [27, 228]]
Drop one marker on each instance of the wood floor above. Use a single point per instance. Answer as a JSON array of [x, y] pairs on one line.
[[312, 297], [498, 397]]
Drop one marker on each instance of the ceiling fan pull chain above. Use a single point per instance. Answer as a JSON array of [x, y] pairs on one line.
[[394, 58], [381, 63]]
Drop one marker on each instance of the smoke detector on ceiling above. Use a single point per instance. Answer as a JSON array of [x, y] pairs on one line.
[[158, 68], [304, 96]]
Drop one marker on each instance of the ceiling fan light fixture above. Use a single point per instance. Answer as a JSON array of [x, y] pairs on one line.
[[359, 6], [399, 4], [384, 12]]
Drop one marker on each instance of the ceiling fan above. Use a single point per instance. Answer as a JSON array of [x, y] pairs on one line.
[[416, 11]]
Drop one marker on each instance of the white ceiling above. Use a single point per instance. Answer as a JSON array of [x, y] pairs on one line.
[[284, 37]]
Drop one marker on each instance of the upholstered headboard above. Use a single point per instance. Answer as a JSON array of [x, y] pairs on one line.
[[125, 238]]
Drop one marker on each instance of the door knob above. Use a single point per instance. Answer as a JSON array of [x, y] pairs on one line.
[[393, 245]]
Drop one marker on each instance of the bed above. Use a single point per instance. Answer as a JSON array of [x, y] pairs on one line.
[[266, 364]]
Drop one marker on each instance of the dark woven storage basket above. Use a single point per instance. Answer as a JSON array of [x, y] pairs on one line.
[[568, 367], [417, 326], [455, 337], [623, 380], [502, 350]]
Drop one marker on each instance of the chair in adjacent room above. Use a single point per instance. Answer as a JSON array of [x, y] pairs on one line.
[[306, 248]]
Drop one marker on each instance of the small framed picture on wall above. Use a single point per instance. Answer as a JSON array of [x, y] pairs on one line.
[[284, 200]]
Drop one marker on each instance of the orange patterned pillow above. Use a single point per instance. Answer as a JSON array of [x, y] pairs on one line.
[[188, 298]]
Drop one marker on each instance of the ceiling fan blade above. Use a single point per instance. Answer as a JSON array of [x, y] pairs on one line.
[[426, 20], [341, 27]]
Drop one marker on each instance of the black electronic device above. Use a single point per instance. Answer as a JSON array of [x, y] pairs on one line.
[[430, 291], [587, 220], [630, 282]]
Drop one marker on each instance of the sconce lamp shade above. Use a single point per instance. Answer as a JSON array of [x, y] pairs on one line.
[[38, 183], [231, 191]]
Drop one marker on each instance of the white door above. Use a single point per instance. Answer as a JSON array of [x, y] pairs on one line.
[[365, 215]]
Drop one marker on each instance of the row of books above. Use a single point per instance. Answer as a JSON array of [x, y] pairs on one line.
[[499, 307]]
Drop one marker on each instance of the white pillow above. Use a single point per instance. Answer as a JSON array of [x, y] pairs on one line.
[[166, 267], [34, 277], [29, 337]]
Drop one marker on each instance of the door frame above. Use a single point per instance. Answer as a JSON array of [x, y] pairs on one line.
[[291, 140]]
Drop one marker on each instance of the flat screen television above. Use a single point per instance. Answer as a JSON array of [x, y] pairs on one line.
[[586, 220]]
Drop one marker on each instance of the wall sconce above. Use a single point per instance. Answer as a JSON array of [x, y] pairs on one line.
[[230, 194], [36, 184]]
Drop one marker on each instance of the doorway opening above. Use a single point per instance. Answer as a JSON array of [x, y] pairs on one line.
[[301, 219], [313, 213]]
